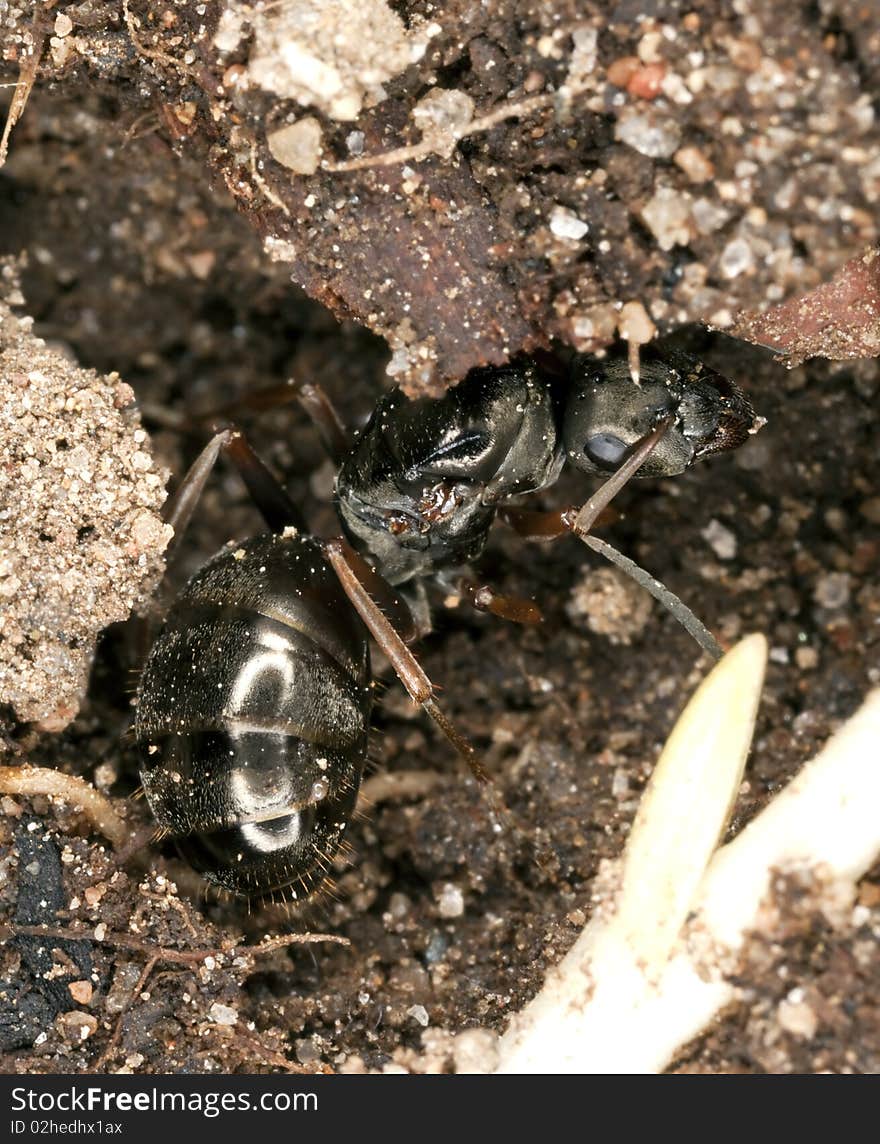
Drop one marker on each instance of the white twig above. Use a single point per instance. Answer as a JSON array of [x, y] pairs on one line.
[[611, 1006]]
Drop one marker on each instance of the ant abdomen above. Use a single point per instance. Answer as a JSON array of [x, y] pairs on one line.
[[253, 717]]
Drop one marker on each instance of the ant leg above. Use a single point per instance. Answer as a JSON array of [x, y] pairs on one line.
[[191, 422], [320, 409], [177, 511], [270, 498], [395, 609], [179, 507], [312, 398], [485, 599], [366, 588], [267, 492], [334, 436], [551, 525]]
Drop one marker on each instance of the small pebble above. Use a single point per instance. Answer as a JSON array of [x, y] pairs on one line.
[[418, 1013], [298, 146], [635, 325], [668, 215], [565, 224], [475, 1051], [796, 1016], [81, 992], [736, 258], [694, 163], [656, 136], [223, 1014], [720, 539], [443, 116], [76, 1025], [832, 591], [609, 603], [450, 902]]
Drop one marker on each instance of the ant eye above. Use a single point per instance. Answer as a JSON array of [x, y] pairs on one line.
[[605, 450]]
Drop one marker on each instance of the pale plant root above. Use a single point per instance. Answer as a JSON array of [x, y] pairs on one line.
[[658, 960], [99, 810]]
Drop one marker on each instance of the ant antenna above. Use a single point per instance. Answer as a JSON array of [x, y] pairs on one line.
[[550, 526]]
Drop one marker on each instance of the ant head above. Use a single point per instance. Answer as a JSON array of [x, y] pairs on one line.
[[608, 413]]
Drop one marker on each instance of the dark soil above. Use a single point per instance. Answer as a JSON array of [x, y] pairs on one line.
[[135, 264]]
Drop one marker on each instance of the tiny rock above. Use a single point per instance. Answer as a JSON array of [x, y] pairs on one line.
[[442, 117], [81, 992], [694, 163], [668, 216], [635, 325], [736, 258], [223, 1014], [565, 224], [475, 1051], [298, 146], [656, 136], [419, 1014], [76, 1025], [720, 539], [450, 902], [647, 82], [796, 1017], [832, 591]]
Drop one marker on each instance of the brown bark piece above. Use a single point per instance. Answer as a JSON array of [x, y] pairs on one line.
[[413, 260], [838, 320]]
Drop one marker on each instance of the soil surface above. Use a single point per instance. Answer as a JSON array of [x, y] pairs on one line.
[[133, 262]]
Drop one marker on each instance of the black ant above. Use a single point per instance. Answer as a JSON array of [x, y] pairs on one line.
[[254, 704]]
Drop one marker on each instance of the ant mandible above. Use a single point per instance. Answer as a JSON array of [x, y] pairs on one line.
[[254, 703]]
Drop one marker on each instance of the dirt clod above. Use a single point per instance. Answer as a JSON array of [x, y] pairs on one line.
[[81, 541]]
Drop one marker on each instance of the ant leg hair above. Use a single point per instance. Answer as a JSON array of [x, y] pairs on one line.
[[551, 525], [366, 588]]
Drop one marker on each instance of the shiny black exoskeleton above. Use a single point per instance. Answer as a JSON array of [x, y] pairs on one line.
[[421, 486], [606, 411], [253, 717], [254, 704]]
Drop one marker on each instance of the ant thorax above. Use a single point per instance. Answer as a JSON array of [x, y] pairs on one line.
[[420, 487]]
